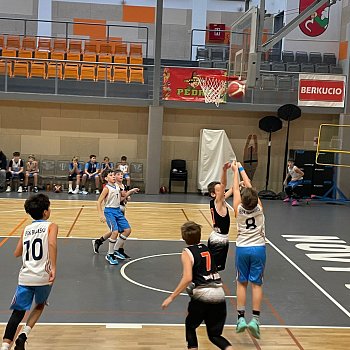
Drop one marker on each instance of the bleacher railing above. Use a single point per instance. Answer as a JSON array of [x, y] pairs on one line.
[[68, 28]]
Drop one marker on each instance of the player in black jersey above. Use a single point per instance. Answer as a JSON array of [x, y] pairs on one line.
[[207, 295], [218, 242]]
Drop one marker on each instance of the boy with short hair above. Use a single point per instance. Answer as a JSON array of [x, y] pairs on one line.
[[96, 243], [91, 171], [218, 242], [15, 170], [113, 216], [32, 170], [74, 173], [296, 179], [124, 167], [38, 248], [207, 294], [250, 249]]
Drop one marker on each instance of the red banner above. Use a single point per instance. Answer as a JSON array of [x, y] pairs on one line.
[[321, 90], [184, 83]]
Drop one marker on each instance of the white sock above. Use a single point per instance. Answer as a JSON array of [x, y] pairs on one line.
[[5, 346], [77, 187], [111, 244], [26, 330]]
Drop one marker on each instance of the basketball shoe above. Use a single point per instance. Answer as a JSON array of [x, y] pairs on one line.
[[287, 199], [20, 341], [241, 325], [96, 243], [295, 203], [112, 259], [122, 252], [254, 327]]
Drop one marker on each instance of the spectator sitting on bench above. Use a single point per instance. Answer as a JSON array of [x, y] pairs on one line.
[[16, 167], [92, 170], [105, 165], [32, 170], [124, 167], [3, 165], [74, 174]]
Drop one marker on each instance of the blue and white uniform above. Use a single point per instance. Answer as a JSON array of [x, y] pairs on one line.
[[115, 219], [250, 245], [33, 279]]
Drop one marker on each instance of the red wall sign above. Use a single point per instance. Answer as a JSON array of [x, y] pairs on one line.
[[321, 90], [183, 83], [216, 32]]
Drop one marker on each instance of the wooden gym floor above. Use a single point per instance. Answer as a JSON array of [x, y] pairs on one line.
[[306, 304]]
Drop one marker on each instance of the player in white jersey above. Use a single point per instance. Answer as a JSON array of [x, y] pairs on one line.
[[113, 216], [38, 248], [250, 249]]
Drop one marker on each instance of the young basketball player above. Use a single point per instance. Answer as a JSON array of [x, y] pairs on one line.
[[124, 167], [15, 170], [38, 248], [218, 242], [32, 170], [250, 249], [113, 216], [91, 171], [96, 243], [74, 173], [207, 295], [296, 176]]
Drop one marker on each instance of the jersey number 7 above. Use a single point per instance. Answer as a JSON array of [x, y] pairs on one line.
[[207, 257]]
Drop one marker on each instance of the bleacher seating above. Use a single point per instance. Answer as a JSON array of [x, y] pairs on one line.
[[84, 52], [288, 56]]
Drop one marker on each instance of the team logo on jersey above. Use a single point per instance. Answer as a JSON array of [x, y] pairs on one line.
[[317, 23]]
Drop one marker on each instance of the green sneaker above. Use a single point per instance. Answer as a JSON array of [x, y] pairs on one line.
[[254, 328], [241, 325]]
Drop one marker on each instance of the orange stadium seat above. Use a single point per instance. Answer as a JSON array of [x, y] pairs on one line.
[[13, 42], [38, 69], [120, 49], [29, 43], [74, 50], [21, 68], [121, 73], [135, 49], [71, 71], [88, 71], [136, 75], [43, 49]]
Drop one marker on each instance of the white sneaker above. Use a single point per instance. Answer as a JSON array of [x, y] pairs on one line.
[[20, 189], [70, 190], [76, 191], [84, 192], [8, 189], [97, 192]]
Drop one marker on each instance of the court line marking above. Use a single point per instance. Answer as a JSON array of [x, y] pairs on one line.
[[75, 220], [13, 231], [324, 292], [130, 325], [124, 275]]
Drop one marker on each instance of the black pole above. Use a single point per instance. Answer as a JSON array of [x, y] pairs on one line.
[[246, 5], [268, 162], [286, 153]]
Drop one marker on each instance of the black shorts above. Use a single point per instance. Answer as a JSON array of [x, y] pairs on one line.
[[218, 249], [73, 176]]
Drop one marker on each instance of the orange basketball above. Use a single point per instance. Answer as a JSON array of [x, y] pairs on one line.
[[236, 89]]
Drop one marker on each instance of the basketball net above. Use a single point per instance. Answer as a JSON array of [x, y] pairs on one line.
[[213, 88]]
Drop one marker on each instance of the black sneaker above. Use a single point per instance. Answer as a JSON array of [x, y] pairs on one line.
[[36, 190], [121, 251], [20, 341], [96, 243]]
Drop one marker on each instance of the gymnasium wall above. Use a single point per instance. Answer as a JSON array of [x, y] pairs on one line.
[[59, 131]]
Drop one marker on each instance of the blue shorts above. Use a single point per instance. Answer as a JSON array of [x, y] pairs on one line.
[[32, 174], [115, 219], [25, 295], [295, 183], [250, 264], [96, 175]]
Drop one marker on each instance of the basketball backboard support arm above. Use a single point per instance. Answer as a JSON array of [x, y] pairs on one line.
[[294, 23]]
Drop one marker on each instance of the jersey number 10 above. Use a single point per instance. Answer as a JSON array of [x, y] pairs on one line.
[[37, 249]]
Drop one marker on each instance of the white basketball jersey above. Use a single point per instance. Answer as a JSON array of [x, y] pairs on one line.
[[36, 264], [113, 197], [250, 227]]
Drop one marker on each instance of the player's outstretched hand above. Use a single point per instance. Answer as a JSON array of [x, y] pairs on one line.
[[234, 166], [135, 190], [227, 166]]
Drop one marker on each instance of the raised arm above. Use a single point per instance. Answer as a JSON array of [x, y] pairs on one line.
[[244, 175], [236, 191]]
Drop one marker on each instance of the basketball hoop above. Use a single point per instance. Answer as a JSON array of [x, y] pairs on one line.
[[214, 88]]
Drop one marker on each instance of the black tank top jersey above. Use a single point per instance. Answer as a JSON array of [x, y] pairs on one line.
[[204, 270], [221, 224], [92, 167]]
